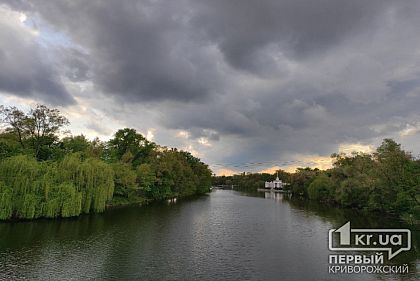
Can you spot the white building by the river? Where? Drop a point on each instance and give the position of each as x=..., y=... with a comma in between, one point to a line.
x=275, y=184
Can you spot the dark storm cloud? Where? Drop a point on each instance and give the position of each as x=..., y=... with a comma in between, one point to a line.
x=155, y=50
x=300, y=28
x=139, y=51
x=75, y=65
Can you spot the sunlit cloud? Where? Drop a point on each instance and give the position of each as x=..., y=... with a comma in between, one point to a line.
x=224, y=171
x=348, y=148
x=150, y=136
x=410, y=130
x=272, y=170
x=22, y=17
x=316, y=161
x=204, y=141
x=183, y=134
x=311, y=161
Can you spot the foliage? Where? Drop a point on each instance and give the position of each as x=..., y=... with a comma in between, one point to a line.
x=16, y=119
x=124, y=178
x=91, y=177
x=37, y=130
x=32, y=189
x=42, y=175
x=73, y=144
x=145, y=177
x=321, y=188
x=129, y=146
x=301, y=180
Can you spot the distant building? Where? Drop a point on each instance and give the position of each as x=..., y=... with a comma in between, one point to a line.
x=275, y=184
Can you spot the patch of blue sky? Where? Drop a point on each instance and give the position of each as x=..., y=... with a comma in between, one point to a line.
x=49, y=37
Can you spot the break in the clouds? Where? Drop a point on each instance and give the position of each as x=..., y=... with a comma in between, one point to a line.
x=243, y=81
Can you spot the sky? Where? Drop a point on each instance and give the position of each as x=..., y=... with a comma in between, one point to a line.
x=246, y=85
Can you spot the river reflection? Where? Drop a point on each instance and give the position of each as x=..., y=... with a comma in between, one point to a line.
x=226, y=235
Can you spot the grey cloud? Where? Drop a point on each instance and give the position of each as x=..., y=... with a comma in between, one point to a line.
x=139, y=51
x=211, y=135
x=300, y=28
x=75, y=65
x=24, y=70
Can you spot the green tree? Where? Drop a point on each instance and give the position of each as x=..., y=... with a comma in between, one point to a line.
x=39, y=127
x=74, y=144
x=145, y=177
x=16, y=119
x=129, y=142
x=124, y=179
x=43, y=124
x=394, y=177
x=301, y=180
x=354, y=178
x=321, y=188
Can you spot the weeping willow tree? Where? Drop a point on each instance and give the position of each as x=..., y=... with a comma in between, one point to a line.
x=63, y=200
x=31, y=189
x=20, y=175
x=6, y=201
x=92, y=178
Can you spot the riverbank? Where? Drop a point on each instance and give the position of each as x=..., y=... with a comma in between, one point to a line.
x=363, y=212
x=119, y=202
x=115, y=203
x=334, y=205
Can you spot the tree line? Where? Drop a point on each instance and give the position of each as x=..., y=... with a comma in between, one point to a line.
x=386, y=181
x=45, y=172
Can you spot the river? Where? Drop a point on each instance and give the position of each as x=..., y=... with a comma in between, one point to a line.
x=225, y=235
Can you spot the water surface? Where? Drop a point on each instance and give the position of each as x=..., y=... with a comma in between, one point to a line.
x=226, y=235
